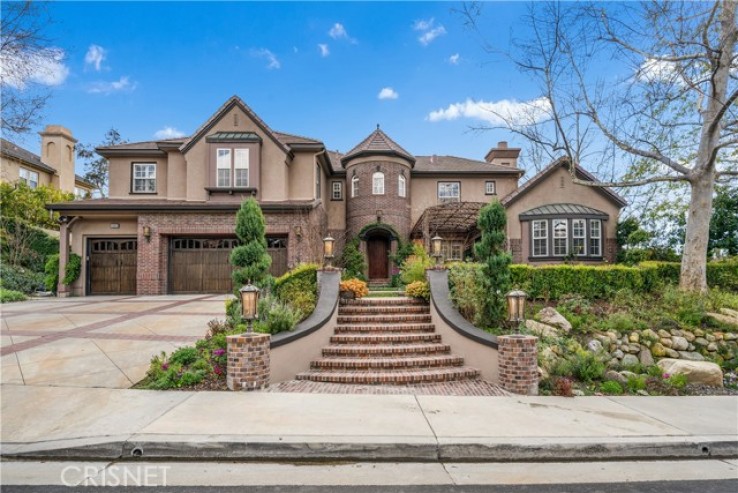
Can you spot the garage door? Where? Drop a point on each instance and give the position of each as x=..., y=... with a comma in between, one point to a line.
x=277, y=249
x=201, y=265
x=112, y=266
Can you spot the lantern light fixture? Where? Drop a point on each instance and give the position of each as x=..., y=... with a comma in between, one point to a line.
x=436, y=243
x=328, y=254
x=147, y=233
x=516, y=307
x=249, y=304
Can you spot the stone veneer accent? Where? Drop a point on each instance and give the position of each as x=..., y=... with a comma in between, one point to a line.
x=248, y=361
x=516, y=249
x=518, y=362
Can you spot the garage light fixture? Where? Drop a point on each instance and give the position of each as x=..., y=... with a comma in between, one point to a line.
x=147, y=233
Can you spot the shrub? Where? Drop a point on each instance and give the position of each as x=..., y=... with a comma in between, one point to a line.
x=276, y=316
x=8, y=295
x=611, y=387
x=352, y=260
x=299, y=288
x=250, y=258
x=586, y=366
x=71, y=272
x=356, y=286
x=467, y=290
x=16, y=278
x=183, y=356
x=418, y=289
x=678, y=381
x=490, y=250
x=72, y=269
x=636, y=383
x=414, y=267
x=24, y=245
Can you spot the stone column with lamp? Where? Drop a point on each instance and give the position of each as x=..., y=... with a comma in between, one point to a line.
x=248, y=354
x=518, y=354
x=328, y=255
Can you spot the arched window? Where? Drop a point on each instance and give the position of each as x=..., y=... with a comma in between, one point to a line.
x=402, y=187
x=378, y=183
x=355, y=186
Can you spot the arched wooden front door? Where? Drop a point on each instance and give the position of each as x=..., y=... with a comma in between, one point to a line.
x=377, y=248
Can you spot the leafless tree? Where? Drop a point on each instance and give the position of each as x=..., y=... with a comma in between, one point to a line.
x=672, y=118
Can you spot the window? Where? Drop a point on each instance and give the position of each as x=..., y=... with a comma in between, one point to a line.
x=317, y=181
x=402, y=187
x=144, y=177
x=490, y=188
x=336, y=191
x=452, y=250
x=540, y=238
x=224, y=168
x=378, y=183
x=241, y=168
x=355, y=186
x=560, y=237
x=449, y=191
x=579, y=237
x=29, y=177
x=595, y=237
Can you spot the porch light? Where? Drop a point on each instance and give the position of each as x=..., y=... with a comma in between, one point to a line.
x=436, y=242
x=328, y=242
x=516, y=307
x=249, y=304
x=147, y=233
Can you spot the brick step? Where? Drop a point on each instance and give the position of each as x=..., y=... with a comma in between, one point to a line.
x=380, y=350
x=385, y=338
x=382, y=319
x=379, y=282
x=355, y=364
x=383, y=310
x=392, y=377
x=402, y=300
x=365, y=328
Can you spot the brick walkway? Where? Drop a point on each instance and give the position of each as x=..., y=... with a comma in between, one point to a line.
x=461, y=388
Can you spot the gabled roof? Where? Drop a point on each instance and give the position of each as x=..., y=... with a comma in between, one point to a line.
x=582, y=174
x=376, y=144
x=15, y=151
x=232, y=102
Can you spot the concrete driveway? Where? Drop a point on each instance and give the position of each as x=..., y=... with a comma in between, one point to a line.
x=101, y=341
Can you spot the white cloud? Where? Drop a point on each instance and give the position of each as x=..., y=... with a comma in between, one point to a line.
x=46, y=68
x=657, y=71
x=428, y=37
x=168, y=133
x=324, y=51
x=95, y=56
x=495, y=112
x=388, y=93
x=454, y=59
x=272, y=61
x=124, y=84
x=423, y=25
x=339, y=32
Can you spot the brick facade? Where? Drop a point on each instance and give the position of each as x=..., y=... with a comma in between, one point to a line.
x=248, y=361
x=518, y=364
x=515, y=247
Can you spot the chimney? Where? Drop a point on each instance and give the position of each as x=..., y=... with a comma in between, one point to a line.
x=57, y=150
x=503, y=155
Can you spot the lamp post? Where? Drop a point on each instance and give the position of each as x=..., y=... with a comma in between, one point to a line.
x=436, y=248
x=516, y=308
x=328, y=242
x=249, y=304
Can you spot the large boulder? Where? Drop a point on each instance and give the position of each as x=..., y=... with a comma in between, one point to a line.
x=697, y=372
x=721, y=317
x=541, y=330
x=550, y=316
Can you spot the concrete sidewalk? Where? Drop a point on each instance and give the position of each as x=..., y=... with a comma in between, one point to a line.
x=109, y=424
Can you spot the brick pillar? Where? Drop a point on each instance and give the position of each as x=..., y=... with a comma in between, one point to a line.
x=62, y=290
x=248, y=361
x=518, y=364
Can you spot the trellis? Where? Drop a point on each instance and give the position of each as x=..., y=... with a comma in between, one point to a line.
x=451, y=221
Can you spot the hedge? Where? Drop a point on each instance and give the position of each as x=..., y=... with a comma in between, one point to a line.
x=299, y=288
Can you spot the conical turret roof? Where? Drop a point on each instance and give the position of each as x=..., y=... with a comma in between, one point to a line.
x=377, y=143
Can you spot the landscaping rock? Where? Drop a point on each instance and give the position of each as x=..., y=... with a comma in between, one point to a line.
x=634, y=348
x=627, y=374
x=723, y=318
x=645, y=357
x=618, y=354
x=691, y=355
x=642, y=392
x=700, y=341
x=542, y=374
x=712, y=347
x=630, y=359
x=634, y=337
x=729, y=312
x=711, y=337
x=698, y=332
x=689, y=336
x=664, y=333
x=658, y=350
x=730, y=336
x=594, y=345
x=613, y=375
x=666, y=341
x=671, y=353
x=697, y=372
x=548, y=358
x=541, y=330
x=550, y=316
x=679, y=343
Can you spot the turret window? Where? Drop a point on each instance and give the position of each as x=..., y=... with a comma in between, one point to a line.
x=355, y=186
x=378, y=183
x=402, y=187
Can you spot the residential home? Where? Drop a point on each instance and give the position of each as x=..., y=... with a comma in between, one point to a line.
x=168, y=224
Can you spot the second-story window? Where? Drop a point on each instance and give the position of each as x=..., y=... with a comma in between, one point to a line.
x=144, y=177
x=490, y=187
x=355, y=186
x=378, y=183
x=402, y=187
x=336, y=191
x=224, y=168
x=449, y=191
x=241, y=168
x=29, y=177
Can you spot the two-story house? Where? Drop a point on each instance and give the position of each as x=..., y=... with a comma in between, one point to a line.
x=168, y=224
x=54, y=167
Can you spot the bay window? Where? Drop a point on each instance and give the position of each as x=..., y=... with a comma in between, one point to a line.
x=595, y=237
x=540, y=238
x=560, y=237
x=579, y=237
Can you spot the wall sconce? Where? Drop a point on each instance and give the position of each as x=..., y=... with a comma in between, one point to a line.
x=516, y=308
x=147, y=233
x=249, y=304
x=436, y=242
x=328, y=242
x=380, y=213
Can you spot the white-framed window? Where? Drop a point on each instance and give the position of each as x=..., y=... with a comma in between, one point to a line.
x=452, y=250
x=144, y=177
x=241, y=167
x=223, y=165
x=490, y=187
x=29, y=177
x=560, y=237
x=449, y=191
x=540, y=238
x=378, y=183
x=579, y=237
x=595, y=237
x=317, y=181
x=401, y=186
x=336, y=191
x=355, y=186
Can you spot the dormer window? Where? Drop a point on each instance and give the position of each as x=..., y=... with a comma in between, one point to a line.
x=378, y=183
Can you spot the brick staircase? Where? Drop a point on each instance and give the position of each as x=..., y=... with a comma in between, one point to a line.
x=388, y=341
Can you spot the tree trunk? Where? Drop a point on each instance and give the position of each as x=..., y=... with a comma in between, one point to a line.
x=694, y=259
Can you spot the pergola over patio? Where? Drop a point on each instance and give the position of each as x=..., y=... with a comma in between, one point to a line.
x=453, y=220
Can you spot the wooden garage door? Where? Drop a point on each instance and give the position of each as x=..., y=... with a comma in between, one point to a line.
x=112, y=266
x=277, y=249
x=200, y=265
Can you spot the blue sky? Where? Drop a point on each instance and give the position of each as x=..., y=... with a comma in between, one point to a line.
x=146, y=67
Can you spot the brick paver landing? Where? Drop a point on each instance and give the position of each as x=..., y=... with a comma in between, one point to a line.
x=461, y=388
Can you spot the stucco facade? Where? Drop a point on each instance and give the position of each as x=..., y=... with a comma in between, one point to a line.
x=179, y=197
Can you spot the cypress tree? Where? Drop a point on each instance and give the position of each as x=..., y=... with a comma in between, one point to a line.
x=250, y=258
x=490, y=251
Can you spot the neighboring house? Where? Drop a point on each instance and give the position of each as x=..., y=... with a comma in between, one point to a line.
x=168, y=224
x=54, y=168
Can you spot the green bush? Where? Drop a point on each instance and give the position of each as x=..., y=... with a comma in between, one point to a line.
x=491, y=252
x=636, y=383
x=15, y=278
x=352, y=261
x=418, y=289
x=611, y=387
x=586, y=366
x=25, y=245
x=678, y=381
x=7, y=296
x=414, y=267
x=184, y=356
x=276, y=316
x=73, y=269
x=71, y=272
x=467, y=290
x=299, y=288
